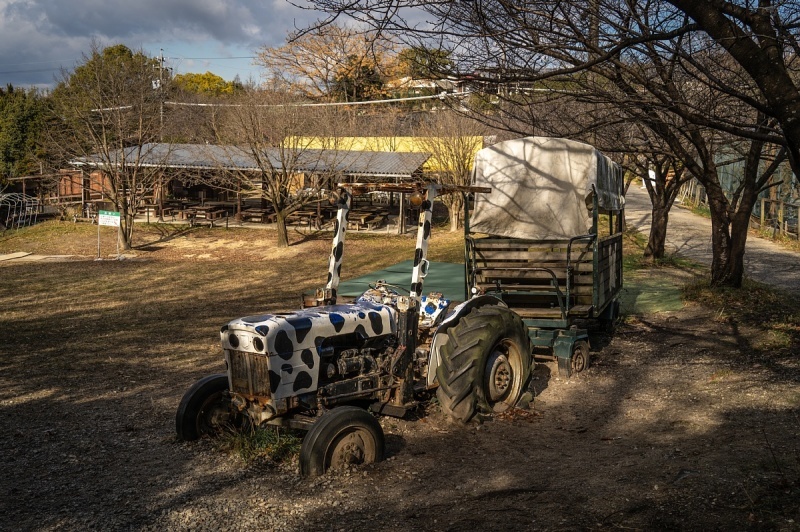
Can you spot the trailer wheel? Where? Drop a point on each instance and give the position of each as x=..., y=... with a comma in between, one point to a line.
x=346, y=435
x=485, y=363
x=206, y=409
x=580, y=356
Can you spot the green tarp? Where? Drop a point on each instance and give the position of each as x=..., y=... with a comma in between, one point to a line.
x=443, y=277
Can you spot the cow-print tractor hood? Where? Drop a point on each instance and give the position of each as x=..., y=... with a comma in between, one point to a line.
x=292, y=350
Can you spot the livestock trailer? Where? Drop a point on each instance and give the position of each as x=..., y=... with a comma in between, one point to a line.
x=547, y=241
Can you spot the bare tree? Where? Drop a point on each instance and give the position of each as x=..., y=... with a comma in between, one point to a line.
x=762, y=37
x=316, y=65
x=271, y=131
x=452, y=139
x=106, y=118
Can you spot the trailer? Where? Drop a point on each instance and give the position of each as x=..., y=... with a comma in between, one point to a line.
x=547, y=240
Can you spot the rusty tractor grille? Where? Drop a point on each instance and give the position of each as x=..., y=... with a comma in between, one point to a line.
x=249, y=373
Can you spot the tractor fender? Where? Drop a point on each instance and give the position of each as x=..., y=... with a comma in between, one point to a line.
x=440, y=336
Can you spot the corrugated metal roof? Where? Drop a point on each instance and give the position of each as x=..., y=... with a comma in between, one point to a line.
x=207, y=156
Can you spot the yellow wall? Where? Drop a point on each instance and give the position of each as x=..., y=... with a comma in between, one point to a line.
x=398, y=144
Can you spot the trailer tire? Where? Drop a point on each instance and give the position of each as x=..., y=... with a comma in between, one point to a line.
x=485, y=363
x=580, y=356
x=206, y=409
x=343, y=436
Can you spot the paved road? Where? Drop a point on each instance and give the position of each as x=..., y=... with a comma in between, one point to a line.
x=689, y=235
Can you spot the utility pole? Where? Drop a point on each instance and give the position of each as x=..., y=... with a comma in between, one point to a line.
x=161, y=94
x=161, y=132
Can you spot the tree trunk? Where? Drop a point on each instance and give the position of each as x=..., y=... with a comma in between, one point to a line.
x=658, y=233
x=455, y=210
x=720, y=238
x=739, y=230
x=125, y=231
x=729, y=231
x=283, y=233
x=455, y=219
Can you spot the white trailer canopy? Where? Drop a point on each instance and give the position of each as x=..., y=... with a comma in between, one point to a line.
x=542, y=188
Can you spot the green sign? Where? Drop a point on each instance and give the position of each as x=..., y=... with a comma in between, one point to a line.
x=110, y=218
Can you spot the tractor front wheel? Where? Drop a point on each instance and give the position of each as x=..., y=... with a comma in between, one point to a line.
x=485, y=363
x=346, y=435
x=206, y=409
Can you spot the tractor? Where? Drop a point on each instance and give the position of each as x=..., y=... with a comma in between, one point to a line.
x=331, y=366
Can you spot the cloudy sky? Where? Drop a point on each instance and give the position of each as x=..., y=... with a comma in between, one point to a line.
x=39, y=37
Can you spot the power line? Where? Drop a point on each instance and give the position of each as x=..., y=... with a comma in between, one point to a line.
x=440, y=96
x=216, y=58
x=30, y=71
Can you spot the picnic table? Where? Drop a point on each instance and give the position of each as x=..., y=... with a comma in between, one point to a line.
x=302, y=216
x=366, y=218
x=255, y=214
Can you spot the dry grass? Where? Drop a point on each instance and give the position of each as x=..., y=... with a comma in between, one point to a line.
x=773, y=315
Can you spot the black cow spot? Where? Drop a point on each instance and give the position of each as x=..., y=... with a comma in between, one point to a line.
x=338, y=251
x=303, y=380
x=274, y=381
x=426, y=205
x=283, y=345
x=417, y=257
x=336, y=226
x=339, y=270
x=361, y=315
x=337, y=320
x=263, y=330
x=416, y=288
x=287, y=368
x=302, y=326
x=308, y=358
x=256, y=319
x=376, y=321
x=426, y=233
x=330, y=277
x=360, y=330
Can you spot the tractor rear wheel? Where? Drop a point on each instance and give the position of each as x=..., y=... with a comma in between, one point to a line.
x=485, y=363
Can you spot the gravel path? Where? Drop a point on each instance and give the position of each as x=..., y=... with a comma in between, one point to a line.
x=689, y=235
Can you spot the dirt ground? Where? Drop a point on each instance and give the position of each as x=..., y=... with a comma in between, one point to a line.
x=678, y=424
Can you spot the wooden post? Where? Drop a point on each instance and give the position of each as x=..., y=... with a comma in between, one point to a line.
x=780, y=218
x=401, y=226
x=763, y=213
